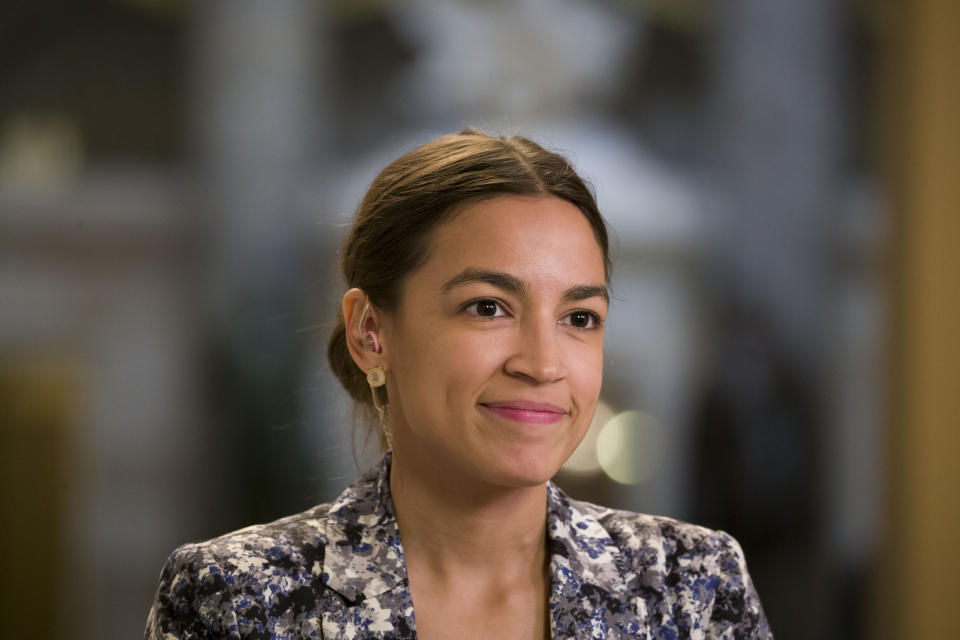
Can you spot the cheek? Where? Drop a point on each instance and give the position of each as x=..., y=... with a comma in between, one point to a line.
x=470, y=360
x=433, y=363
x=587, y=375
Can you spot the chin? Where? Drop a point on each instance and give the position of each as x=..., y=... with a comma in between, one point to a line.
x=525, y=468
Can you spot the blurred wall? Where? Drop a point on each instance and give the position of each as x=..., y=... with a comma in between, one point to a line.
x=916, y=592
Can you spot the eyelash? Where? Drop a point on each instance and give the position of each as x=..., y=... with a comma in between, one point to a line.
x=473, y=304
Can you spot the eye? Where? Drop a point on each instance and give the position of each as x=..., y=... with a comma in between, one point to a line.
x=582, y=320
x=486, y=308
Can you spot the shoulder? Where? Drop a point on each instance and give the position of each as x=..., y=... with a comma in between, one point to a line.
x=672, y=543
x=269, y=579
x=693, y=575
x=647, y=540
x=240, y=581
x=262, y=551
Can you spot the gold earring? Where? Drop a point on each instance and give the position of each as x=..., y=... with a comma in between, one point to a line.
x=377, y=378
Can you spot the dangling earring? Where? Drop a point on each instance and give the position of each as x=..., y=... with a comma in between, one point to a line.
x=377, y=378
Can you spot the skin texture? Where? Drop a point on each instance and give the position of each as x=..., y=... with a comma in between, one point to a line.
x=507, y=310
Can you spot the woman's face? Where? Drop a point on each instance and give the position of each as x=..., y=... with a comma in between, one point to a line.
x=495, y=354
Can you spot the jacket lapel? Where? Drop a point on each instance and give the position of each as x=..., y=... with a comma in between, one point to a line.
x=363, y=563
x=589, y=597
x=373, y=617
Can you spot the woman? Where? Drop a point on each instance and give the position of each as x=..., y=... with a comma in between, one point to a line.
x=473, y=330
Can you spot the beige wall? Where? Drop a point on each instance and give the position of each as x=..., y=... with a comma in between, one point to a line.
x=917, y=588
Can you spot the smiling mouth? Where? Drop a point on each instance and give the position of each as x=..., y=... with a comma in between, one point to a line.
x=523, y=411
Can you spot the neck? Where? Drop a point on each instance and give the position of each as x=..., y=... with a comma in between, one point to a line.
x=452, y=523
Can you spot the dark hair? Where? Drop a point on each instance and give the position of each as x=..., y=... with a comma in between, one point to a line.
x=424, y=188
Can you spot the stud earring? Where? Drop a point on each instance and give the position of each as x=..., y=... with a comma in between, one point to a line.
x=377, y=378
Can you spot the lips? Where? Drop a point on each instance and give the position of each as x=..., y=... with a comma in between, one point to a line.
x=526, y=411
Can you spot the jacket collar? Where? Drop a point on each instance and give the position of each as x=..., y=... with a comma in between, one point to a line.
x=363, y=554
x=582, y=551
x=364, y=563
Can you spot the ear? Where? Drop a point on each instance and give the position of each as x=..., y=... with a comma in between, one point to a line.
x=364, y=342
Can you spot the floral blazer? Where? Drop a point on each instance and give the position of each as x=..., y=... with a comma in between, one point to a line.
x=337, y=571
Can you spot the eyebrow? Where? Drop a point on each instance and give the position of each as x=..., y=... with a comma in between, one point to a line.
x=585, y=291
x=516, y=286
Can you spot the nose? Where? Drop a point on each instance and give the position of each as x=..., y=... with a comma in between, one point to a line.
x=537, y=355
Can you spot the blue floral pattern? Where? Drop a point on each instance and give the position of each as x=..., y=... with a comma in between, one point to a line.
x=337, y=571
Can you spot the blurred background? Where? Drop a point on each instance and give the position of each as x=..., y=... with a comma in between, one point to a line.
x=781, y=360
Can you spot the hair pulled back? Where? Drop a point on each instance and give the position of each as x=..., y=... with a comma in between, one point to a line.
x=425, y=188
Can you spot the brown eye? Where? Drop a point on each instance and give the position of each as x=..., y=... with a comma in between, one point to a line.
x=582, y=320
x=487, y=308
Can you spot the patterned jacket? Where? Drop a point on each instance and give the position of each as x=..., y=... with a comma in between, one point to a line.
x=337, y=571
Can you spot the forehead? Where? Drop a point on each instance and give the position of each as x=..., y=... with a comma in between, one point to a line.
x=538, y=239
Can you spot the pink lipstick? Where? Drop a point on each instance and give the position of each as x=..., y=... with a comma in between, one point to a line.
x=524, y=411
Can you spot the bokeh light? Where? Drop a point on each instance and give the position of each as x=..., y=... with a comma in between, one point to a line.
x=584, y=460
x=629, y=447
